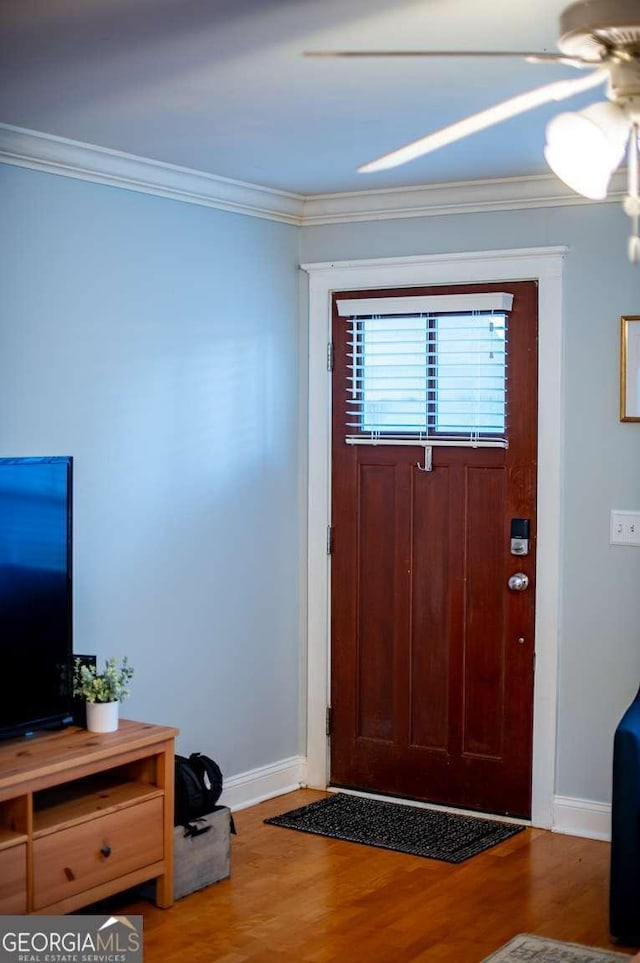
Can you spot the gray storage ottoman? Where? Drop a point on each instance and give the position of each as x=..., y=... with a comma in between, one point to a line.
x=205, y=858
x=202, y=859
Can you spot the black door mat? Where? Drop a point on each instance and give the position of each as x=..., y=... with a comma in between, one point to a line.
x=405, y=829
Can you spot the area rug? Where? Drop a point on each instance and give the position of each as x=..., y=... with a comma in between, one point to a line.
x=405, y=829
x=538, y=949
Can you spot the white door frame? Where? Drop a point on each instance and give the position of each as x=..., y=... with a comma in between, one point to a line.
x=545, y=266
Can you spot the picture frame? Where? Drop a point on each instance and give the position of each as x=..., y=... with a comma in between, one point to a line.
x=630, y=367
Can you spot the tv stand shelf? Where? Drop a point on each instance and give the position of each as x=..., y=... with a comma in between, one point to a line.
x=84, y=816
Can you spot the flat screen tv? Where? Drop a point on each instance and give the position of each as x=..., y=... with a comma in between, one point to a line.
x=36, y=641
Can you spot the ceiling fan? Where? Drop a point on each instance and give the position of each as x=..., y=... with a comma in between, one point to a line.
x=583, y=148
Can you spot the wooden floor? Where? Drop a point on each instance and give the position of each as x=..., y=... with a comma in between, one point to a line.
x=294, y=897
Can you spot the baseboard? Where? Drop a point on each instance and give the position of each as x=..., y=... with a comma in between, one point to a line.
x=256, y=785
x=582, y=817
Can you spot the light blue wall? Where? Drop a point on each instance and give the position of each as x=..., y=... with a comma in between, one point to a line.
x=599, y=669
x=158, y=343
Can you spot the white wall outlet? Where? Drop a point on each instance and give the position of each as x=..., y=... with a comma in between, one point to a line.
x=624, y=528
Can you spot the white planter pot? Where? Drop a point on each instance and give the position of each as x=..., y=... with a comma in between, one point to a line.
x=102, y=716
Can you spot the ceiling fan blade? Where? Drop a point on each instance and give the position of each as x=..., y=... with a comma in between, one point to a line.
x=533, y=57
x=559, y=90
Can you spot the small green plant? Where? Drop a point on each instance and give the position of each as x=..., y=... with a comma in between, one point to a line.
x=112, y=685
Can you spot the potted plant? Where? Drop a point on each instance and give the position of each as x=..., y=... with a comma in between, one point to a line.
x=103, y=691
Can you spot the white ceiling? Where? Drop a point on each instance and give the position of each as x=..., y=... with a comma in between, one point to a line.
x=221, y=85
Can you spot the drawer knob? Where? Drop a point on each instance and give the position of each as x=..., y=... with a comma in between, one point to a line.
x=105, y=850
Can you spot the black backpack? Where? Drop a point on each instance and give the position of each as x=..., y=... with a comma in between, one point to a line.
x=198, y=787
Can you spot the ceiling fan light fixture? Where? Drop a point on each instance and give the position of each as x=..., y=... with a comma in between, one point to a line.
x=589, y=180
x=584, y=148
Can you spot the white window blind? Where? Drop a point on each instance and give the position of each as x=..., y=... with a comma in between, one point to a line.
x=427, y=369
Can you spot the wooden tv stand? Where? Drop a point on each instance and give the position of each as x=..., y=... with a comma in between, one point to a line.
x=85, y=815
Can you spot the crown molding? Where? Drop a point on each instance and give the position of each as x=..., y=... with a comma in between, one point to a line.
x=459, y=197
x=101, y=165
x=70, y=158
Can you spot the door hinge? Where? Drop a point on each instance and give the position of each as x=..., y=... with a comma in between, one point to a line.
x=330, y=356
x=329, y=539
x=328, y=721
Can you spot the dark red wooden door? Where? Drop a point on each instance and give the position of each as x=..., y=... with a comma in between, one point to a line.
x=432, y=654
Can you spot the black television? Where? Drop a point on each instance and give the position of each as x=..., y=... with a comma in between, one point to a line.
x=36, y=638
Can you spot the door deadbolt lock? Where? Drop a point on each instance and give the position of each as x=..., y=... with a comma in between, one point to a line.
x=519, y=536
x=519, y=582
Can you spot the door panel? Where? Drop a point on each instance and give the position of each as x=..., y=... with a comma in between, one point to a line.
x=431, y=654
x=483, y=613
x=375, y=593
x=430, y=611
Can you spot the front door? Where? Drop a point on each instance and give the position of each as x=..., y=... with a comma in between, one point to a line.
x=432, y=644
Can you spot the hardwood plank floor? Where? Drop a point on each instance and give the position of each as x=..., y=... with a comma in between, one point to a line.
x=299, y=898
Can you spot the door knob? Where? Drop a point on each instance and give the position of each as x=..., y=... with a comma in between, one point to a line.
x=519, y=582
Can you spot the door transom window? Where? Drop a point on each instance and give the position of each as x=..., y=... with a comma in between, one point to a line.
x=437, y=375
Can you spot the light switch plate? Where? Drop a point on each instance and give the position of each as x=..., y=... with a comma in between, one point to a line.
x=625, y=528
